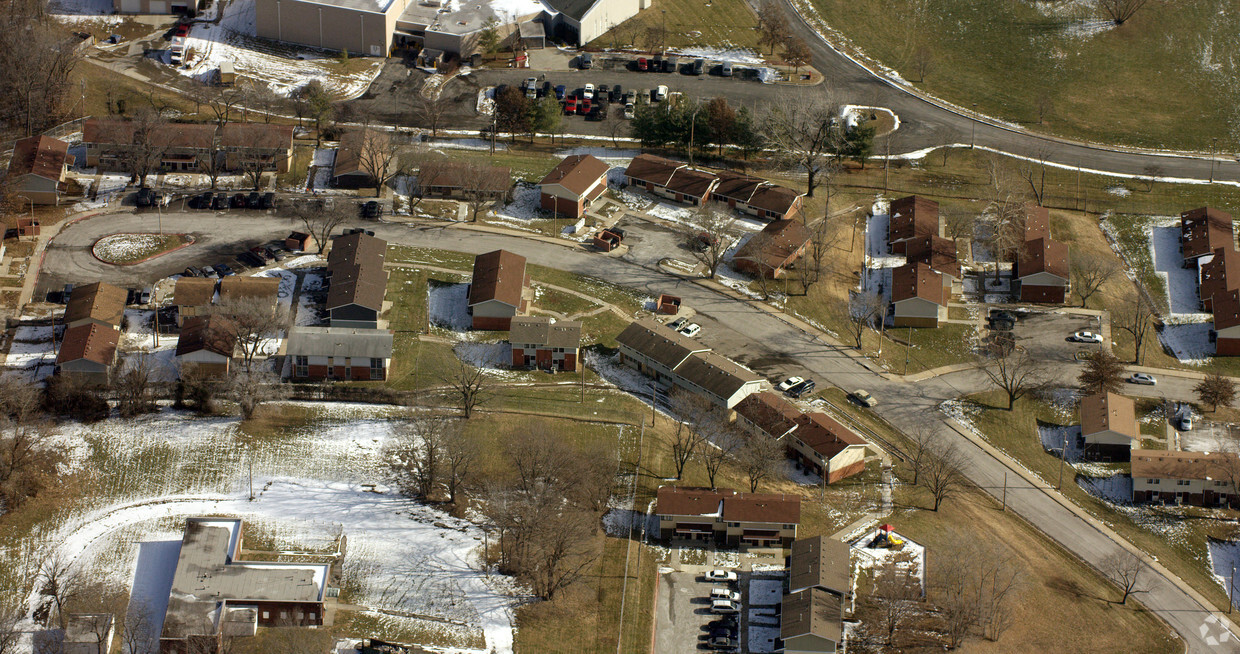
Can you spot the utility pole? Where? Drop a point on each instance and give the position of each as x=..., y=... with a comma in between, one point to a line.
x=249, y=459
x=907, y=343
x=973, y=128
x=664, y=39
x=654, y=398
x=1078, y=185
x=1005, y=490
x=1213, y=149
x=582, y=363
x=1063, y=453
x=1231, y=590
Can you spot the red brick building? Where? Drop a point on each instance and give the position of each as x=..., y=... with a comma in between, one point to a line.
x=537, y=342
x=773, y=250
x=911, y=217
x=727, y=517
x=1043, y=271
x=1202, y=231
x=575, y=183
x=338, y=353
x=499, y=291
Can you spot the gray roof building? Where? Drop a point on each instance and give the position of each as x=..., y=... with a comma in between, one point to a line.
x=339, y=342
x=819, y=562
x=540, y=331
x=659, y=343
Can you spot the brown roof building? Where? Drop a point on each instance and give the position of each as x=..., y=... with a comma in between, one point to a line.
x=267, y=145
x=726, y=516
x=214, y=333
x=811, y=620
x=358, y=281
x=935, y=251
x=96, y=303
x=537, y=342
x=1218, y=275
x=236, y=288
x=347, y=170
x=573, y=185
x=1204, y=230
x=911, y=217
x=769, y=414
x=37, y=168
x=647, y=169
x=1109, y=426
x=1197, y=478
x=756, y=196
x=820, y=562
x=656, y=346
x=192, y=296
x=919, y=295
x=500, y=289
x=1037, y=222
x=1226, y=308
x=450, y=179
x=670, y=179
x=771, y=251
x=88, y=351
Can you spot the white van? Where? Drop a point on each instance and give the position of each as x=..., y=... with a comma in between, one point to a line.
x=660, y=93
x=724, y=594
x=724, y=607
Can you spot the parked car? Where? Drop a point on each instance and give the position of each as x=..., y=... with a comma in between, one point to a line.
x=630, y=97
x=585, y=106
x=531, y=88
x=642, y=64
x=587, y=60
x=587, y=92
x=268, y=201
x=276, y=253
x=602, y=92
x=724, y=606
x=570, y=104
x=1143, y=379
x=721, y=575
x=238, y=201
x=222, y=270
x=629, y=111
x=678, y=323
x=372, y=209
x=250, y=259
x=262, y=253
x=864, y=398
x=671, y=64
x=789, y=383
x=723, y=643
x=1085, y=337
x=599, y=112
x=699, y=65
x=802, y=388
x=726, y=69
x=544, y=90
x=204, y=201
x=656, y=64
x=560, y=90
x=692, y=329
x=617, y=93
x=253, y=200
x=660, y=93
x=1186, y=422
x=725, y=594
x=144, y=198
x=194, y=271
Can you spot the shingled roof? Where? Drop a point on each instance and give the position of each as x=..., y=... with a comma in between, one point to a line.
x=916, y=280
x=1220, y=274
x=256, y=135
x=812, y=611
x=819, y=562
x=913, y=216
x=716, y=374
x=213, y=333
x=658, y=342
x=1203, y=230
x=762, y=507
x=776, y=245
x=97, y=301
x=1037, y=222
x=935, y=251
x=1109, y=412
x=577, y=173
x=499, y=276
x=42, y=156
x=1166, y=464
x=539, y=330
x=1226, y=308
x=90, y=342
x=650, y=168
x=825, y=435
x=769, y=412
x=193, y=292
x=355, y=265
x=1043, y=255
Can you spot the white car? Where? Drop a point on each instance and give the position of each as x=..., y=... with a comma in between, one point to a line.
x=789, y=383
x=724, y=607
x=720, y=575
x=588, y=91
x=629, y=111
x=692, y=329
x=1086, y=337
x=725, y=594
x=1142, y=378
x=678, y=323
x=660, y=93
x=864, y=398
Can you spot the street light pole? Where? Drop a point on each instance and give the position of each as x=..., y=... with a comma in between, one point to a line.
x=973, y=128
x=664, y=39
x=1213, y=149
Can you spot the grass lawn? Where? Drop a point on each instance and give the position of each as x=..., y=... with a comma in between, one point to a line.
x=715, y=23
x=1179, y=544
x=1109, y=84
x=565, y=304
x=303, y=154
x=135, y=248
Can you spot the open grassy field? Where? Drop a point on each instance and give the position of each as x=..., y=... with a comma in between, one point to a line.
x=723, y=24
x=1098, y=81
x=1178, y=542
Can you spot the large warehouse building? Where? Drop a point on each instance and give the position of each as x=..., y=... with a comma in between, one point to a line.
x=375, y=27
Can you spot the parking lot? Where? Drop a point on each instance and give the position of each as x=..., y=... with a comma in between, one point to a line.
x=1044, y=335
x=683, y=612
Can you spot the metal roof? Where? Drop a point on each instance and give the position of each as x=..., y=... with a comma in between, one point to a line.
x=339, y=342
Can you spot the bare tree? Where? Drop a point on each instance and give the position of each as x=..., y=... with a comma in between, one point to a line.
x=957, y=224
x=941, y=471
x=722, y=446
x=253, y=166
x=29, y=457
x=266, y=101
x=1103, y=373
x=140, y=633
x=38, y=58
x=61, y=582
x=430, y=112
x=796, y=52
x=759, y=456
x=461, y=450
x=1014, y=372
x=10, y=628
x=482, y=185
x=1089, y=272
x=1120, y=11
x=922, y=442
x=1124, y=568
x=253, y=322
x=145, y=152
x=864, y=310
x=251, y=389
x=823, y=238
x=131, y=381
x=711, y=237
x=319, y=223
x=211, y=165
x=923, y=61
x=1216, y=390
x=686, y=437
x=418, y=454
x=377, y=156
x=896, y=593
x=560, y=551
x=772, y=26
x=1136, y=316
x=1045, y=105
x=1153, y=173
x=1033, y=171
x=999, y=577
x=806, y=134
x=957, y=593
x=472, y=387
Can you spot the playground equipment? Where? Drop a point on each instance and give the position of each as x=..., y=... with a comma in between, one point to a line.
x=887, y=538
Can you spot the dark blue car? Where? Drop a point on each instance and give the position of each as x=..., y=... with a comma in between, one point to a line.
x=560, y=91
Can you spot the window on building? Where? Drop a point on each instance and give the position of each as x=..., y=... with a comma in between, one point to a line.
x=301, y=366
x=376, y=368
x=312, y=616
x=284, y=615
x=734, y=524
x=266, y=615
x=790, y=526
x=1155, y=481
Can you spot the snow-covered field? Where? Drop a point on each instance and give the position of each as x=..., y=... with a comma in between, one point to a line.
x=524, y=206
x=447, y=306
x=1116, y=489
x=1224, y=560
x=284, y=68
x=734, y=55
x=1054, y=440
x=1181, y=283
x=311, y=483
x=32, y=355
x=911, y=557
x=124, y=247
x=1189, y=341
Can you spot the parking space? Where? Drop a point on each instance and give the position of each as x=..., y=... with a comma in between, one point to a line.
x=1044, y=335
x=684, y=621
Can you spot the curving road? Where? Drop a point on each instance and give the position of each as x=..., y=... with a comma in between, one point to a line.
x=770, y=344
x=923, y=118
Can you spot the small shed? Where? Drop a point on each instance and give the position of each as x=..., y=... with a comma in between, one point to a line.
x=607, y=240
x=297, y=241
x=669, y=304
x=533, y=34
x=28, y=227
x=228, y=74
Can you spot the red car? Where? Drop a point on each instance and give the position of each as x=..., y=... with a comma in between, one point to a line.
x=181, y=30
x=584, y=107
x=570, y=104
x=642, y=64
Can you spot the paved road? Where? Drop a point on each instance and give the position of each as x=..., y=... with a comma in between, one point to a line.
x=907, y=406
